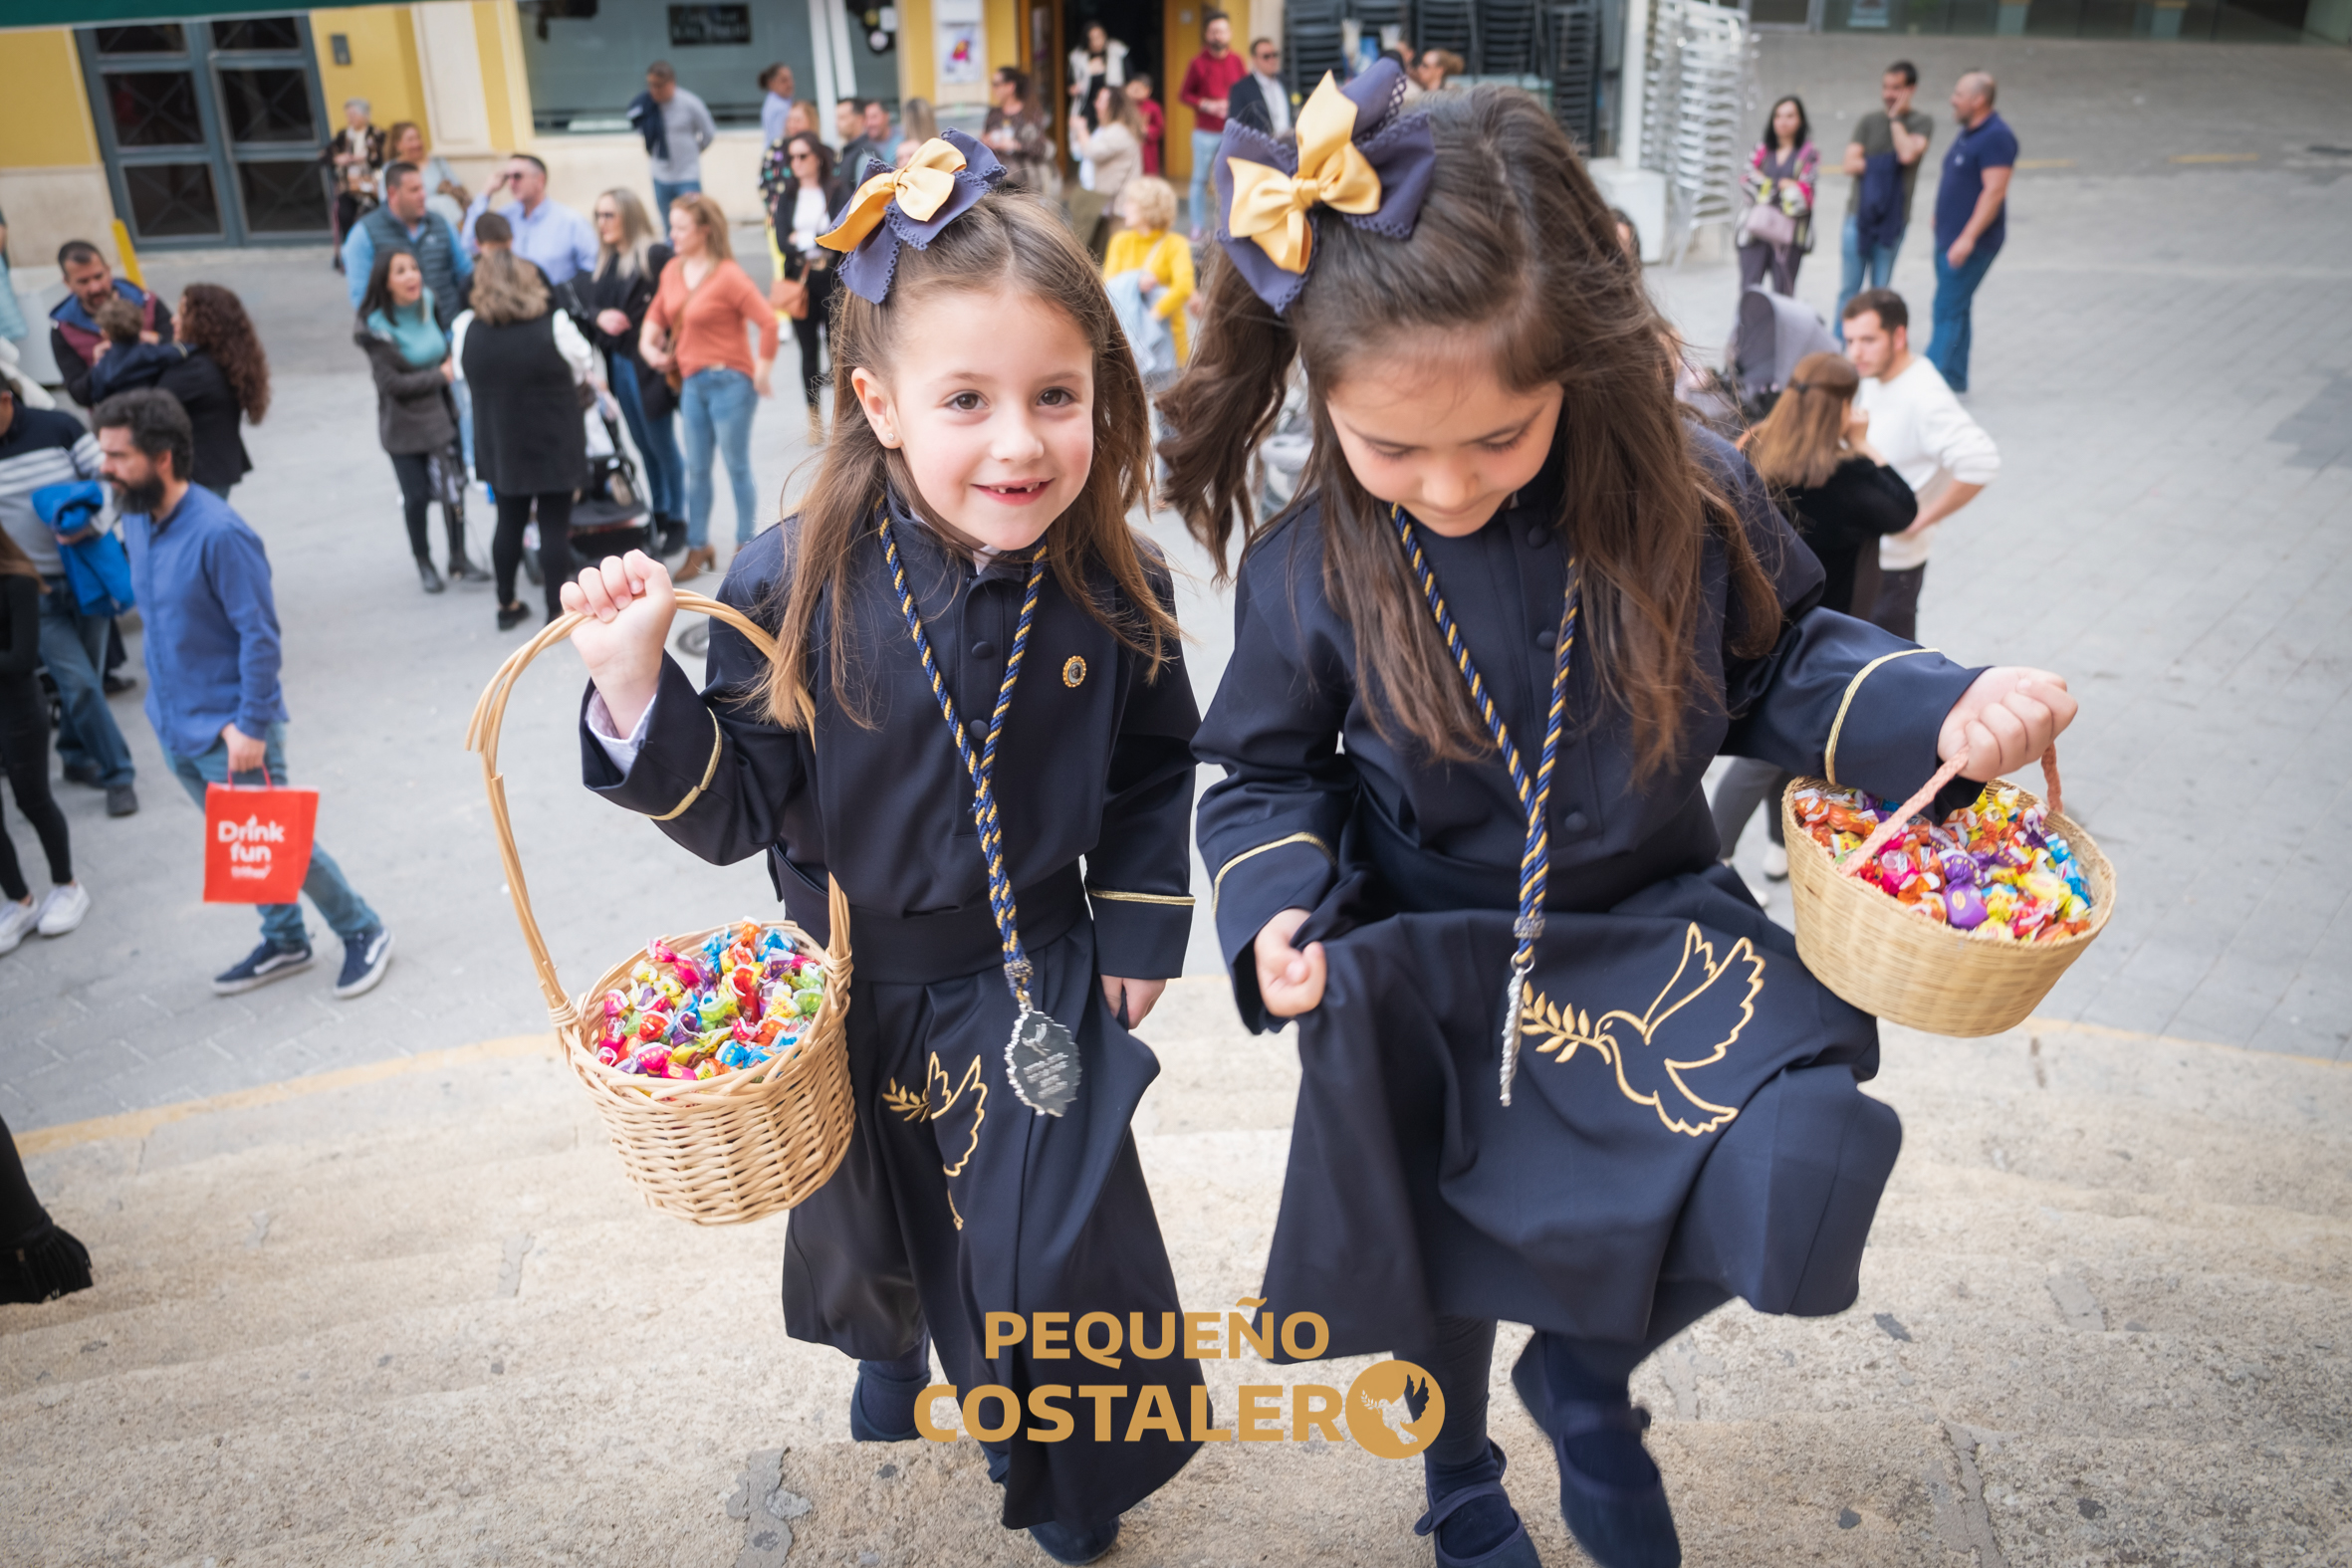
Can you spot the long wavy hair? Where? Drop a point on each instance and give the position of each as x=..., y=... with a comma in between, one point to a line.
x=213, y=320
x=1516, y=256
x=1010, y=240
x=508, y=290
x=1803, y=440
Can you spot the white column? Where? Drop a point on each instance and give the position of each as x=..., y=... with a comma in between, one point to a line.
x=1633, y=76
x=837, y=72
x=451, y=63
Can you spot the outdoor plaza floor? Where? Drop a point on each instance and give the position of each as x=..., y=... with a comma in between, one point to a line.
x=372, y=1289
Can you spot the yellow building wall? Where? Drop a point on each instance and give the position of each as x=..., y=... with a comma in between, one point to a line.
x=506, y=90
x=1002, y=18
x=918, y=68
x=53, y=186
x=1181, y=42
x=383, y=67
x=48, y=120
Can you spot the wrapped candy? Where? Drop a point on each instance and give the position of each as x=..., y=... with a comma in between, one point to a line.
x=737, y=1000
x=1992, y=869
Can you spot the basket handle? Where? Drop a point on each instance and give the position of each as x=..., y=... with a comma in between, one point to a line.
x=1869, y=848
x=482, y=736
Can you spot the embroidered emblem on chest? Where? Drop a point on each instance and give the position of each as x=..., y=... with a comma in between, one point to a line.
x=1073, y=670
x=1692, y=1024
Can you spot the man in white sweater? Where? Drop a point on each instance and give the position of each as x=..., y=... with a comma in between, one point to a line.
x=1926, y=436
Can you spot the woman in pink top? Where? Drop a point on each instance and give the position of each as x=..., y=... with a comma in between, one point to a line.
x=695, y=334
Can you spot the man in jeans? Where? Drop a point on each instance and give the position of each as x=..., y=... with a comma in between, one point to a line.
x=1895, y=131
x=1924, y=434
x=1208, y=80
x=676, y=125
x=211, y=646
x=40, y=447
x=1971, y=219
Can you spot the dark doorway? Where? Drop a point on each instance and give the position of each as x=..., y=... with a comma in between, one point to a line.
x=1136, y=23
x=213, y=133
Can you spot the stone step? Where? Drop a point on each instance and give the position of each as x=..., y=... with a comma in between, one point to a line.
x=2101, y=1316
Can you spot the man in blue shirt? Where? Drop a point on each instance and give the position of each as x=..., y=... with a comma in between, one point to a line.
x=548, y=234
x=1971, y=219
x=211, y=644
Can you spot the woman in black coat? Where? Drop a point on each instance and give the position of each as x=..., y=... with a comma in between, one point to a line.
x=528, y=369
x=415, y=415
x=1814, y=450
x=628, y=270
x=803, y=210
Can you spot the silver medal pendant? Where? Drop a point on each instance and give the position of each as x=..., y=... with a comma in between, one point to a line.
x=1042, y=1060
x=1511, y=1006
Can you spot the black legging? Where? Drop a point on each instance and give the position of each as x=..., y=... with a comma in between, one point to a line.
x=415, y=471
x=821, y=298
x=554, y=544
x=23, y=751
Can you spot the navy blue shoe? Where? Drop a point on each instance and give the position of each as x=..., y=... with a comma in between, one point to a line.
x=261, y=965
x=1620, y=1524
x=887, y=1398
x=1066, y=1545
x=364, y=959
x=1514, y=1550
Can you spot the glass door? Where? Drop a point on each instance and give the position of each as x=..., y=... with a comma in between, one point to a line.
x=264, y=83
x=212, y=131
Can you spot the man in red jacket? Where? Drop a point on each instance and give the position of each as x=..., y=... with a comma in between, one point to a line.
x=1207, y=81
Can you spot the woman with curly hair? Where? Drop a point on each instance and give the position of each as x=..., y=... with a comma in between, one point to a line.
x=223, y=378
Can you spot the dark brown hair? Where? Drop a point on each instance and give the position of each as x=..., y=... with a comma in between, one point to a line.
x=1885, y=303
x=213, y=320
x=1803, y=440
x=1515, y=256
x=1008, y=240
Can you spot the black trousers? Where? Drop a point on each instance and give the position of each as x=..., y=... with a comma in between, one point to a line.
x=24, y=752
x=414, y=470
x=554, y=544
x=1897, y=608
x=805, y=331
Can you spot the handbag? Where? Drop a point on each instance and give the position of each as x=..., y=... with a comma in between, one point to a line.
x=791, y=296
x=1763, y=223
x=263, y=858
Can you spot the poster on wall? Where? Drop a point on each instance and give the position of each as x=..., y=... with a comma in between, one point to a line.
x=962, y=44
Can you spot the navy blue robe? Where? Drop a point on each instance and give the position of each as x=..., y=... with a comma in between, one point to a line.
x=1685, y=1105
x=955, y=1199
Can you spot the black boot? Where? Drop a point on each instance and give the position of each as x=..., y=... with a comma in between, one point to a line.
x=461, y=565
x=670, y=536
x=426, y=577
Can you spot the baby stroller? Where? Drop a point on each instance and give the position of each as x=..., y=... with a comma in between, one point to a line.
x=607, y=515
x=1774, y=332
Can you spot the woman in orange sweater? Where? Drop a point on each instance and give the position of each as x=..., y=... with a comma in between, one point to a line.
x=695, y=334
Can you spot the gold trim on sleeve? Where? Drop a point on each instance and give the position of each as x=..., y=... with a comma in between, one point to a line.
x=1829, y=755
x=1218, y=887
x=1183, y=900
x=710, y=770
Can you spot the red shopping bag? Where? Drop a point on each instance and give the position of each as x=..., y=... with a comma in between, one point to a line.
x=257, y=843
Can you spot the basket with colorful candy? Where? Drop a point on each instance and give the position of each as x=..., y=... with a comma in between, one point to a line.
x=719, y=1061
x=743, y=997
x=1955, y=927
x=1995, y=868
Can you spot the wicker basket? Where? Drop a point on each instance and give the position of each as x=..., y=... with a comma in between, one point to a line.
x=1920, y=972
x=717, y=1151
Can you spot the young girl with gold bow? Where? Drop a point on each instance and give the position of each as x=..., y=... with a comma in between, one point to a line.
x=978, y=683
x=1479, y=668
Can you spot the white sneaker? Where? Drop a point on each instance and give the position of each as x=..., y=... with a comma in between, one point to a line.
x=62, y=909
x=1775, y=862
x=16, y=921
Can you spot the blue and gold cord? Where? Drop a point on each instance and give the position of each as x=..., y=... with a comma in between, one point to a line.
x=1534, y=865
x=983, y=766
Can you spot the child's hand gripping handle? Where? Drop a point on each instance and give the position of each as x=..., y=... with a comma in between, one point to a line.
x=624, y=606
x=654, y=618
x=2006, y=719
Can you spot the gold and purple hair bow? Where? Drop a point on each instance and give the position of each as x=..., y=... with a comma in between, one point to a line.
x=947, y=176
x=1356, y=154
